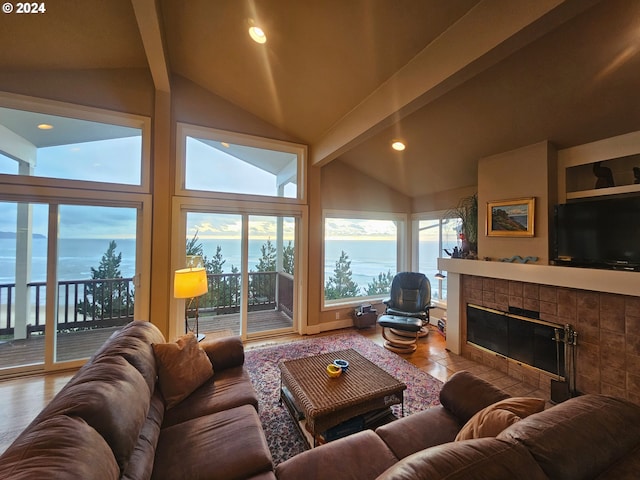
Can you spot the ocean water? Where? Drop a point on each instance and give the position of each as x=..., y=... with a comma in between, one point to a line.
x=77, y=256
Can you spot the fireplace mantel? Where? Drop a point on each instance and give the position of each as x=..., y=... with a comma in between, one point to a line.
x=608, y=281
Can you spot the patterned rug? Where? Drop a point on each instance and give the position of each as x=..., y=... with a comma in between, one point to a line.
x=282, y=437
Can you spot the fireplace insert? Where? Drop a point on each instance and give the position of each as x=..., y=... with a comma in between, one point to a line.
x=529, y=341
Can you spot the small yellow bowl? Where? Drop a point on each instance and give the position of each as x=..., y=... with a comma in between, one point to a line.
x=333, y=370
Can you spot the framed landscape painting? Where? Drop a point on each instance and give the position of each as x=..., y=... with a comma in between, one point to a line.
x=511, y=218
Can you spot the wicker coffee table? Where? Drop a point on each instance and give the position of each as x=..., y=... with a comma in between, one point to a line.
x=326, y=402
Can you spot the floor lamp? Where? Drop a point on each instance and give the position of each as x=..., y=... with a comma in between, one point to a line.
x=190, y=283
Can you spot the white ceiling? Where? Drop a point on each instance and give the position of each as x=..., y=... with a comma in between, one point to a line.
x=456, y=79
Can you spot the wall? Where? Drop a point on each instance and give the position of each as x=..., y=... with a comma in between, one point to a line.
x=338, y=186
x=121, y=90
x=608, y=326
x=441, y=201
x=522, y=173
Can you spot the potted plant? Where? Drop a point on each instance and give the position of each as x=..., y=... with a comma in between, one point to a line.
x=467, y=211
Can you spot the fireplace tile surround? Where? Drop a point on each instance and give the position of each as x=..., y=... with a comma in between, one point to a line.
x=608, y=327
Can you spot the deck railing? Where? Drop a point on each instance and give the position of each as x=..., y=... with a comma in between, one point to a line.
x=84, y=304
x=81, y=304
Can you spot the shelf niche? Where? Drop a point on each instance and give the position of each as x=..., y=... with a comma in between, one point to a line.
x=620, y=154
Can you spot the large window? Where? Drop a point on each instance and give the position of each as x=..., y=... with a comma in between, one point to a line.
x=362, y=254
x=75, y=226
x=240, y=202
x=231, y=163
x=44, y=145
x=436, y=236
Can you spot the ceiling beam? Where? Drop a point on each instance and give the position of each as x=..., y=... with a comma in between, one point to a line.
x=488, y=33
x=148, y=18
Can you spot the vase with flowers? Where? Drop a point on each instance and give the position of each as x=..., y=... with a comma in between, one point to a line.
x=467, y=212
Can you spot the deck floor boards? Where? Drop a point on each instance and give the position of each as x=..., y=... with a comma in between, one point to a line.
x=82, y=344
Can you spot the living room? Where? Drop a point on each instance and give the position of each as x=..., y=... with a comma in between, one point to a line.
x=486, y=110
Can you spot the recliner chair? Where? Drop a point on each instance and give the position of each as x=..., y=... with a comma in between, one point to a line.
x=407, y=312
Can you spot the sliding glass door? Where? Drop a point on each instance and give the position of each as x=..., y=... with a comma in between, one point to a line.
x=68, y=278
x=250, y=264
x=23, y=286
x=271, y=273
x=96, y=271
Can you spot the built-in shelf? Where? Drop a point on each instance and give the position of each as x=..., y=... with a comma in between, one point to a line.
x=618, y=154
x=604, y=191
x=609, y=281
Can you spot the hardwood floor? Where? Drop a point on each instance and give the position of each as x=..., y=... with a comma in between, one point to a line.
x=23, y=398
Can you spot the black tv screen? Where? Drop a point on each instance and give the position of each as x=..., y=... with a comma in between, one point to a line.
x=599, y=233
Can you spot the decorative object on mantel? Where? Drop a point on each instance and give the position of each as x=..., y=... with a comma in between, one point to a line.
x=636, y=175
x=455, y=253
x=511, y=218
x=467, y=211
x=519, y=259
x=604, y=175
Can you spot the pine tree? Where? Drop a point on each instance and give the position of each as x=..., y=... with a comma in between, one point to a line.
x=106, y=300
x=288, y=258
x=262, y=286
x=267, y=262
x=341, y=285
x=380, y=285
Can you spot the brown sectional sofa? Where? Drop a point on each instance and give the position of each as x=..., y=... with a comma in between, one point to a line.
x=587, y=437
x=110, y=421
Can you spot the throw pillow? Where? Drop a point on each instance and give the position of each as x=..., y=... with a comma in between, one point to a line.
x=490, y=421
x=182, y=367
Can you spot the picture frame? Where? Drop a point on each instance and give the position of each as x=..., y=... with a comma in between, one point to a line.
x=511, y=218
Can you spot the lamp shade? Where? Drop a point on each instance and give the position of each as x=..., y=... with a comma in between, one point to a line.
x=190, y=282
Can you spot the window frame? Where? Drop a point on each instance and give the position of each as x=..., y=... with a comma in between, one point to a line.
x=439, y=215
x=56, y=192
x=182, y=205
x=81, y=112
x=402, y=253
x=184, y=130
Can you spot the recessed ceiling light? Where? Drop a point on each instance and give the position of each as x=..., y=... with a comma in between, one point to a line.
x=397, y=145
x=257, y=34
x=45, y=126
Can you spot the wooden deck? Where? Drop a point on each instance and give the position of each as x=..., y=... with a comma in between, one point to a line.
x=82, y=344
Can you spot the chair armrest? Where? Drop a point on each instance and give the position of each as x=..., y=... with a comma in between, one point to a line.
x=224, y=352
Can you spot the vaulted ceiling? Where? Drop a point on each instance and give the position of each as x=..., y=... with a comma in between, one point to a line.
x=456, y=80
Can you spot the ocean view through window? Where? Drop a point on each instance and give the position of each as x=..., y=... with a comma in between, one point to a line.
x=75, y=224
x=361, y=256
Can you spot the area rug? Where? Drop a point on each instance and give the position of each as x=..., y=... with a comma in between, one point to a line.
x=283, y=438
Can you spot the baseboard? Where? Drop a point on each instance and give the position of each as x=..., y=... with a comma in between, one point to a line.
x=326, y=326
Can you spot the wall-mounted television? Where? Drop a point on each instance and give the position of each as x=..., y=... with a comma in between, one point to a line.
x=601, y=233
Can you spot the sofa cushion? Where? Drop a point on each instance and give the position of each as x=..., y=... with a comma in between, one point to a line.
x=359, y=456
x=579, y=438
x=226, y=389
x=182, y=367
x=133, y=343
x=224, y=352
x=492, y=420
x=141, y=461
x=227, y=445
x=419, y=431
x=60, y=447
x=464, y=395
x=480, y=459
x=112, y=397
